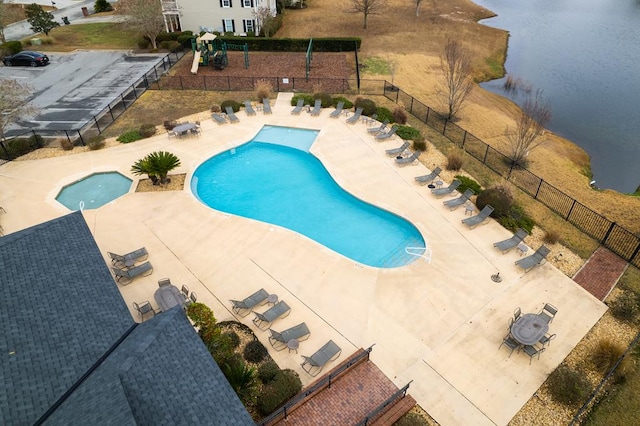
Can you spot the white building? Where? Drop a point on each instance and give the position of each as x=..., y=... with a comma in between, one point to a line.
x=236, y=16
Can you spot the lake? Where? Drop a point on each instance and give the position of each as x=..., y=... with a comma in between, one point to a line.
x=585, y=58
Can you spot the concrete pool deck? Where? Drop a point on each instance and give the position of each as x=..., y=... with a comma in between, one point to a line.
x=439, y=324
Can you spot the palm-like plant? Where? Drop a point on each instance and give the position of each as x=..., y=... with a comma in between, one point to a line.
x=156, y=165
x=242, y=379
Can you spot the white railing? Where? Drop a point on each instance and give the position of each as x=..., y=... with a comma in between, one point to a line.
x=425, y=253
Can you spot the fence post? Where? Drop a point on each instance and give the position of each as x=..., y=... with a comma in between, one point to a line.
x=81, y=139
x=181, y=86
x=111, y=112
x=604, y=239
x=97, y=125
x=204, y=81
x=411, y=106
x=571, y=209
x=464, y=138
x=426, y=119
x=284, y=409
x=486, y=153
x=397, y=92
x=5, y=151
x=444, y=130
x=538, y=190
x=228, y=83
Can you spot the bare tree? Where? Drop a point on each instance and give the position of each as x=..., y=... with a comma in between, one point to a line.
x=368, y=7
x=531, y=119
x=145, y=16
x=456, y=69
x=13, y=103
x=417, y=2
x=265, y=18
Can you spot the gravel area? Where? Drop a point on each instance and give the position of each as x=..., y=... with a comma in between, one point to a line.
x=176, y=184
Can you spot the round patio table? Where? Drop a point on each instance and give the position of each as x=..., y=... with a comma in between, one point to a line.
x=529, y=329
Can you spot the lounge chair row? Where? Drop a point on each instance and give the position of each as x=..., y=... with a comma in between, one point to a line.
x=124, y=266
x=231, y=116
x=280, y=339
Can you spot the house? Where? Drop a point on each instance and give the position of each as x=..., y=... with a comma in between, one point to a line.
x=234, y=16
x=72, y=354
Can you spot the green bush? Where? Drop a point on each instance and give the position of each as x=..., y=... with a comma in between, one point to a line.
x=400, y=115
x=21, y=146
x=606, y=354
x=347, y=103
x=184, y=38
x=242, y=379
x=255, y=351
x=499, y=197
x=147, y=130
x=385, y=114
x=625, y=306
x=267, y=371
x=467, y=182
x=11, y=47
x=169, y=45
x=407, y=132
x=326, y=99
x=285, y=385
x=96, y=142
x=454, y=161
x=130, y=136
x=234, y=339
x=308, y=99
x=367, y=105
x=233, y=104
x=262, y=44
x=420, y=144
x=411, y=419
x=568, y=386
x=517, y=218
x=143, y=43
x=102, y=6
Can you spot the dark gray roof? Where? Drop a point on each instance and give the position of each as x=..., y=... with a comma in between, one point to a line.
x=61, y=311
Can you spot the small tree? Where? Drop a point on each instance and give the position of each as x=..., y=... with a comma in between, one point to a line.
x=368, y=7
x=455, y=63
x=417, y=2
x=145, y=16
x=102, y=6
x=264, y=18
x=531, y=119
x=13, y=103
x=40, y=20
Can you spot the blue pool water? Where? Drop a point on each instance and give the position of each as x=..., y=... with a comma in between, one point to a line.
x=94, y=190
x=289, y=187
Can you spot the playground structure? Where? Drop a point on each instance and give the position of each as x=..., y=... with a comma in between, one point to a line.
x=208, y=49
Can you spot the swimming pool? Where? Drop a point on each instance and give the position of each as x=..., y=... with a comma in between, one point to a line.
x=290, y=187
x=94, y=191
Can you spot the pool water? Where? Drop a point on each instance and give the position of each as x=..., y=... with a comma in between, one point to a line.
x=290, y=187
x=94, y=191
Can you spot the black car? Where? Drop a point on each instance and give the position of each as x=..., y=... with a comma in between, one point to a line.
x=33, y=59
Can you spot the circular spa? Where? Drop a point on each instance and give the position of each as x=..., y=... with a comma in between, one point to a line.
x=274, y=179
x=94, y=191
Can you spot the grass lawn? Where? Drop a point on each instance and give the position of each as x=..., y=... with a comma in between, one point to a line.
x=97, y=35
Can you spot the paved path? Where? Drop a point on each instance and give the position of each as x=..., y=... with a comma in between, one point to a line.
x=601, y=272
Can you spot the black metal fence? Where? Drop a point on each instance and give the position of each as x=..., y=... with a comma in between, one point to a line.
x=619, y=240
x=325, y=382
x=102, y=119
x=373, y=415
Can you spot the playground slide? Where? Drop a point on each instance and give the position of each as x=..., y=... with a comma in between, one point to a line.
x=196, y=62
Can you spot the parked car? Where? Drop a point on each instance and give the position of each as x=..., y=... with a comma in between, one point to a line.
x=26, y=57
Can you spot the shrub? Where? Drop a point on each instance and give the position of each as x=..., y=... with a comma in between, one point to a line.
x=66, y=144
x=229, y=102
x=326, y=99
x=400, y=115
x=169, y=45
x=454, y=161
x=625, y=306
x=263, y=89
x=517, y=218
x=234, y=339
x=21, y=146
x=367, y=105
x=169, y=125
x=143, y=43
x=11, y=47
x=411, y=419
x=420, y=143
x=96, y=142
x=242, y=379
x=36, y=140
x=130, y=136
x=347, y=103
x=267, y=371
x=551, y=236
x=499, y=197
x=182, y=39
x=102, y=6
x=200, y=314
x=467, y=182
x=284, y=386
x=385, y=114
x=407, y=132
x=255, y=351
x=308, y=99
x=568, y=386
x=147, y=130
x=606, y=354
x=215, y=108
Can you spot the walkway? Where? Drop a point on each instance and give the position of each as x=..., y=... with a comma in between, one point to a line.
x=601, y=272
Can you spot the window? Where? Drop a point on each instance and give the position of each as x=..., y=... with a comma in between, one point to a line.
x=225, y=3
x=247, y=3
x=228, y=26
x=249, y=25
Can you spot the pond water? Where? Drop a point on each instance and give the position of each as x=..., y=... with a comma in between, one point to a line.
x=584, y=57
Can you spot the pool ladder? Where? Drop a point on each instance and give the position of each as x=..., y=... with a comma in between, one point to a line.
x=425, y=252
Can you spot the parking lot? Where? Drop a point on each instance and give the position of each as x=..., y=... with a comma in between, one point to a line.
x=76, y=86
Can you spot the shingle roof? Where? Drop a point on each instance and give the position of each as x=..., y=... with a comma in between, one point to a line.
x=60, y=311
